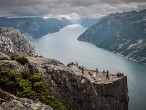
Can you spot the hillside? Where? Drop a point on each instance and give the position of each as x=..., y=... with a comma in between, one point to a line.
x=33, y=27
x=122, y=33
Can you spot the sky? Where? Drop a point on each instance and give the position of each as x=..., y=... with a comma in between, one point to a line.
x=71, y=9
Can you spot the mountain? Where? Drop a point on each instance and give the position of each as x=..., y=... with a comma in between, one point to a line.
x=31, y=82
x=87, y=22
x=34, y=27
x=122, y=33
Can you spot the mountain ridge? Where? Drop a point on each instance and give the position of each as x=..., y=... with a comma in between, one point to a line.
x=122, y=33
x=34, y=27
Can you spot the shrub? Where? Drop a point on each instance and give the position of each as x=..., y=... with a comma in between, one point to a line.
x=32, y=87
x=36, y=77
x=23, y=60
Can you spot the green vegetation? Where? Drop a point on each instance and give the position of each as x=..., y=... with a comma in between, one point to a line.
x=31, y=87
x=21, y=59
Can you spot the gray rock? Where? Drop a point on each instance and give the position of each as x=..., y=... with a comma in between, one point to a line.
x=4, y=57
x=11, y=102
x=76, y=91
x=13, y=42
x=68, y=87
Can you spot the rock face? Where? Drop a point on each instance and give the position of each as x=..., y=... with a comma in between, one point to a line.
x=123, y=33
x=13, y=42
x=11, y=102
x=4, y=57
x=76, y=91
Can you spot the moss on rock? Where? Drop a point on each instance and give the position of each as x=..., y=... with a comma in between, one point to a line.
x=31, y=87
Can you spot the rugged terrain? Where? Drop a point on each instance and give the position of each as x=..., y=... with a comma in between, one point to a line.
x=34, y=27
x=11, y=102
x=122, y=33
x=35, y=80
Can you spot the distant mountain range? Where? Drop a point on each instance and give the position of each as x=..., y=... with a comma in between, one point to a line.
x=122, y=33
x=34, y=27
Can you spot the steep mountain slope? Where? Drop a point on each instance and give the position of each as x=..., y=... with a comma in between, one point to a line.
x=34, y=27
x=123, y=33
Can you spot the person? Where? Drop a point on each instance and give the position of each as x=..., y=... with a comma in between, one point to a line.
x=103, y=71
x=96, y=70
x=82, y=71
x=68, y=65
x=120, y=74
x=107, y=76
x=77, y=63
x=72, y=63
x=79, y=67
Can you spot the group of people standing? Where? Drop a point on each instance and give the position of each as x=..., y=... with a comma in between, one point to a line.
x=97, y=71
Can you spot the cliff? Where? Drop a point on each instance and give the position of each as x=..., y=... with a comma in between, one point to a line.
x=122, y=33
x=57, y=85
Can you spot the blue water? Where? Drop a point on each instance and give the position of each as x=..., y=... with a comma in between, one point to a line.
x=65, y=47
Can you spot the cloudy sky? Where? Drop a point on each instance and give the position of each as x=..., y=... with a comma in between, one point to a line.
x=69, y=8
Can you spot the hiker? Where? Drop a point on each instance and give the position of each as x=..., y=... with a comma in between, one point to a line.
x=79, y=67
x=96, y=70
x=72, y=63
x=107, y=76
x=77, y=63
x=82, y=71
x=120, y=74
x=68, y=65
x=103, y=71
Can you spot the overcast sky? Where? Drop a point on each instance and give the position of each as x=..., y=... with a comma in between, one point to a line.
x=69, y=8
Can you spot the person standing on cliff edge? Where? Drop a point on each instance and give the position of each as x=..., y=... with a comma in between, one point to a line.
x=107, y=76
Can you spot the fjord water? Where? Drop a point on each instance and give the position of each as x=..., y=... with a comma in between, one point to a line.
x=65, y=47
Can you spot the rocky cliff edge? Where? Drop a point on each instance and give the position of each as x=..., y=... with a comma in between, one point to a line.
x=77, y=91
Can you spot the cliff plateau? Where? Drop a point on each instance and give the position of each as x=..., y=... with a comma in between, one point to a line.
x=75, y=90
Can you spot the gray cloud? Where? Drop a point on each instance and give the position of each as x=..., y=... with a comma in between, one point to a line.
x=72, y=8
